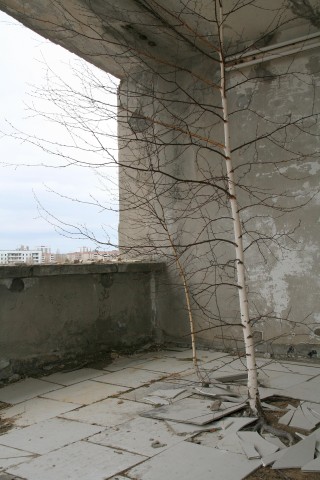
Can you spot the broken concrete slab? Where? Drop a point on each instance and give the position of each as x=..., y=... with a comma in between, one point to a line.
x=36, y=410
x=189, y=461
x=108, y=413
x=186, y=429
x=275, y=440
x=25, y=390
x=230, y=443
x=217, y=391
x=312, y=466
x=303, y=419
x=298, y=455
x=48, y=435
x=85, y=392
x=76, y=376
x=139, y=394
x=250, y=451
x=286, y=418
x=223, y=427
x=79, y=461
x=262, y=446
x=193, y=410
x=270, y=459
x=165, y=397
x=272, y=408
x=142, y=435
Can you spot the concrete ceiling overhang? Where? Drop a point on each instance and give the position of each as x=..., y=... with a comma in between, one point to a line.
x=122, y=36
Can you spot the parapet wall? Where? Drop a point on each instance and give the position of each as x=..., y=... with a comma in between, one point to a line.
x=55, y=314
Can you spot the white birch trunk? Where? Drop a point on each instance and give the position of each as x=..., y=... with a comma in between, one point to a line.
x=253, y=391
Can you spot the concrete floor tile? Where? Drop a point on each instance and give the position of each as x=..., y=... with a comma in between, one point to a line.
x=309, y=391
x=140, y=394
x=166, y=365
x=36, y=410
x=306, y=369
x=202, y=355
x=48, y=435
x=25, y=390
x=142, y=435
x=76, y=376
x=281, y=380
x=79, y=461
x=85, y=392
x=188, y=461
x=130, y=377
x=109, y=412
x=125, y=362
x=11, y=456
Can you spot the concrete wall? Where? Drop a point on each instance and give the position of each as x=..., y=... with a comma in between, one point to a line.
x=280, y=215
x=50, y=315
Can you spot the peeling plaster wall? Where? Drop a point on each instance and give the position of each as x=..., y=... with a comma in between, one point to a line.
x=283, y=276
x=54, y=314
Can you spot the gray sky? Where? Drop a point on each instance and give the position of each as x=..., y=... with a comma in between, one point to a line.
x=22, y=57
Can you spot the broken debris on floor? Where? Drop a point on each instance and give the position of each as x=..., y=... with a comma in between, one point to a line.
x=152, y=418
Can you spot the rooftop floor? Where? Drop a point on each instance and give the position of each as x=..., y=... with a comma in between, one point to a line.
x=148, y=417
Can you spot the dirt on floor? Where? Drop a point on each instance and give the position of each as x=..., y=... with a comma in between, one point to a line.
x=6, y=424
x=267, y=473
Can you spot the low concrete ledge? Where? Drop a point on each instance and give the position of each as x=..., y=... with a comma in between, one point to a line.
x=23, y=271
x=63, y=314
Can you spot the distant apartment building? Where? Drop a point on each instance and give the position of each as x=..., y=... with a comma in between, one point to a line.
x=86, y=255
x=21, y=255
x=43, y=254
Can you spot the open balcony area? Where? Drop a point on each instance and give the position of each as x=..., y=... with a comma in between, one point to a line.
x=149, y=416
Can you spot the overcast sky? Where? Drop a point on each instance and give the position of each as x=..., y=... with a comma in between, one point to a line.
x=23, y=54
